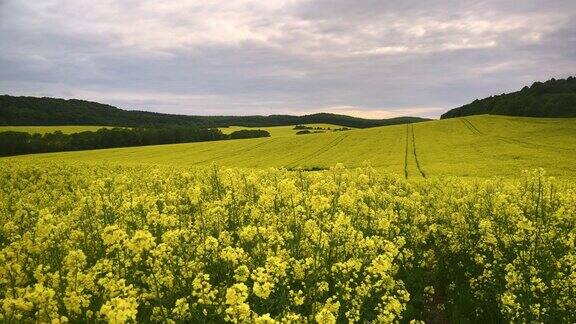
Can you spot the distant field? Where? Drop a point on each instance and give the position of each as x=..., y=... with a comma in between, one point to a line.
x=278, y=131
x=51, y=129
x=475, y=146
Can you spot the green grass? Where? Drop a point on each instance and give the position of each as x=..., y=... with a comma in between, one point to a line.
x=51, y=129
x=278, y=131
x=477, y=146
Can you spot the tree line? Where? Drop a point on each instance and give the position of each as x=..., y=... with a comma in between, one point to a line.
x=317, y=128
x=34, y=111
x=15, y=143
x=553, y=98
x=249, y=133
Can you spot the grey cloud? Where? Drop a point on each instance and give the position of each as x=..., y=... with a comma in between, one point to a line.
x=379, y=56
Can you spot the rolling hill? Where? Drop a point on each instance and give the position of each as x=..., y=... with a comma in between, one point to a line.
x=476, y=146
x=553, y=98
x=33, y=111
x=66, y=129
x=276, y=131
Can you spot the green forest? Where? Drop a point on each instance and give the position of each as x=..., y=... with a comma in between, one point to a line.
x=33, y=111
x=553, y=98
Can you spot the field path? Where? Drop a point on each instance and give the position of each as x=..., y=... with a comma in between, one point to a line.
x=319, y=151
x=406, y=154
x=415, y=154
x=471, y=127
x=412, y=167
x=240, y=150
x=513, y=141
x=530, y=145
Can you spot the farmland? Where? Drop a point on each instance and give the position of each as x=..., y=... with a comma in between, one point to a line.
x=456, y=220
x=287, y=162
x=116, y=243
x=50, y=129
x=476, y=146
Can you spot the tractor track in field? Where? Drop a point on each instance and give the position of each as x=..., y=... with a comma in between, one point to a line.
x=471, y=127
x=532, y=145
x=416, y=155
x=513, y=140
x=321, y=150
x=410, y=138
x=247, y=149
x=406, y=155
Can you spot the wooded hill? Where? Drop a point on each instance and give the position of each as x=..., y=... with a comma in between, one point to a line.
x=553, y=98
x=33, y=111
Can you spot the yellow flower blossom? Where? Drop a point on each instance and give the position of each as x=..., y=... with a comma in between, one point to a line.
x=119, y=310
x=100, y=243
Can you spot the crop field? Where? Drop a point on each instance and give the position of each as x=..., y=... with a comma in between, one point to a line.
x=221, y=183
x=280, y=131
x=84, y=243
x=459, y=220
x=480, y=146
x=51, y=129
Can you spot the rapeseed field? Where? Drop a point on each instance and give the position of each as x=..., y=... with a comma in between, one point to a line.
x=102, y=243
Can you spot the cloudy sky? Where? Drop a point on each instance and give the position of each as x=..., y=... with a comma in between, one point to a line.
x=370, y=58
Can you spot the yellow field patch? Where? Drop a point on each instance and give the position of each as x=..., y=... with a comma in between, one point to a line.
x=51, y=129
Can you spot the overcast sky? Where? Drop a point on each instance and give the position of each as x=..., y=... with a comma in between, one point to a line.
x=369, y=58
